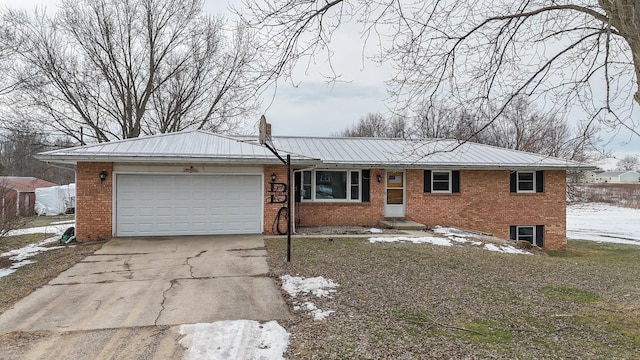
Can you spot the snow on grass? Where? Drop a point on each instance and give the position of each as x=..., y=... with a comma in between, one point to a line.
x=31, y=249
x=456, y=235
x=507, y=249
x=23, y=254
x=236, y=339
x=603, y=223
x=375, y=231
x=51, y=229
x=68, y=222
x=318, y=286
x=416, y=240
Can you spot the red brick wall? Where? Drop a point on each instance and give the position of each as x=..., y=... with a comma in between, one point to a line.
x=346, y=213
x=93, y=201
x=484, y=203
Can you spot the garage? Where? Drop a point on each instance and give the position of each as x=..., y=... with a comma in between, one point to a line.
x=187, y=204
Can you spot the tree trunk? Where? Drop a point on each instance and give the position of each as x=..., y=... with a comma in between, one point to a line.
x=624, y=15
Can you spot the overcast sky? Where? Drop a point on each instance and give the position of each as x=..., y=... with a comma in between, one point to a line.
x=320, y=109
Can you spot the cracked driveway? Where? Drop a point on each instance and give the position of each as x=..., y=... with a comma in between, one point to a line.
x=155, y=281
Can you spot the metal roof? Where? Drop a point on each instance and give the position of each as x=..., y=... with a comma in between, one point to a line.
x=434, y=153
x=615, y=173
x=193, y=145
x=24, y=184
x=205, y=147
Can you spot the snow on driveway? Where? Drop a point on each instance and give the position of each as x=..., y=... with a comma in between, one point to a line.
x=603, y=223
x=234, y=339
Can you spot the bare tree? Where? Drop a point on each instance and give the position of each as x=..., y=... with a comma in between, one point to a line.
x=628, y=163
x=520, y=126
x=121, y=68
x=20, y=142
x=370, y=125
x=485, y=52
x=10, y=218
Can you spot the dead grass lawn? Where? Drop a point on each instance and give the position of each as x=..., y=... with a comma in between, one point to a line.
x=417, y=301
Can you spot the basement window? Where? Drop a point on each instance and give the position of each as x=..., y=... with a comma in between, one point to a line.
x=525, y=233
x=532, y=234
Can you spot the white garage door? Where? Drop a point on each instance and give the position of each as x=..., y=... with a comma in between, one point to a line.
x=148, y=205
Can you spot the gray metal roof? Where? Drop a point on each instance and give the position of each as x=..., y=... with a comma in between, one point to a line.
x=614, y=173
x=205, y=147
x=194, y=145
x=434, y=153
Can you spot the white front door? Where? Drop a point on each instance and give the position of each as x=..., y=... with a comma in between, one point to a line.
x=395, y=194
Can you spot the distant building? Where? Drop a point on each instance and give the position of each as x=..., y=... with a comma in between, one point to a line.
x=589, y=176
x=617, y=177
x=17, y=194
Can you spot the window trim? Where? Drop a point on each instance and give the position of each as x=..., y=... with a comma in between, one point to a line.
x=533, y=182
x=348, y=185
x=533, y=233
x=538, y=234
x=449, y=182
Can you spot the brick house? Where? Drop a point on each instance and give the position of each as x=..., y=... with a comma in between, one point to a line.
x=195, y=182
x=18, y=194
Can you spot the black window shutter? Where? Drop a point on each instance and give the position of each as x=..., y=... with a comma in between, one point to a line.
x=366, y=185
x=427, y=181
x=455, y=181
x=540, y=181
x=297, y=186
x=540, y=235
x=513, y=183
x=512, y=232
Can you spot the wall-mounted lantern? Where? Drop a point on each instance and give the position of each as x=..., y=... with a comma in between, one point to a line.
x=273, y=177
x=379, y=178
x=103, y=175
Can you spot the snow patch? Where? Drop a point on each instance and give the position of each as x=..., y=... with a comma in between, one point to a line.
x=375, y=231
x=318, y=286
x=416, y=240
x=507, y=249
x=237, y=339
x=453, y=235
x=23, y=254
x=67, y=222
x=55, y=229
x=603, y=223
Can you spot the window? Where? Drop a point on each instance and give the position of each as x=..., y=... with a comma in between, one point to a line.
x=441, y=181
x=532, y=234
x=331, y=185
x=527, y=181
x=525, y=233
x=306, y=185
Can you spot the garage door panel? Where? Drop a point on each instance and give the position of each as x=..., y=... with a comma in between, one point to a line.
x=188, y=204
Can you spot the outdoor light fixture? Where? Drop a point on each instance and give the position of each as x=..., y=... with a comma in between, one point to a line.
x=103, y=175
x=379, y=177
x=273, y=177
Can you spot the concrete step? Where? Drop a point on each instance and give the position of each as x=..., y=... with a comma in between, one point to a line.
x=402, y=224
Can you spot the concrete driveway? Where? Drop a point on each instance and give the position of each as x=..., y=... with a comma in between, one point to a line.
x=155, y=281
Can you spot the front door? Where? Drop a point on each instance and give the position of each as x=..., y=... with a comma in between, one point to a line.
x=395, y=194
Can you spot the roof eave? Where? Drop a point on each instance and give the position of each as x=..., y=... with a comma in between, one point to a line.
x=575, y=166
x=71, y=159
